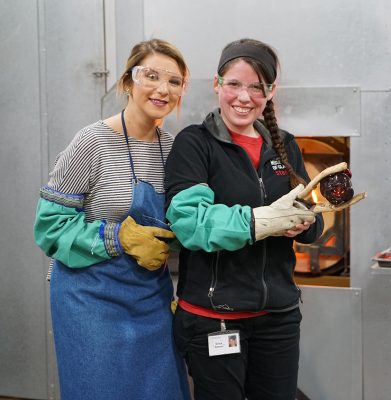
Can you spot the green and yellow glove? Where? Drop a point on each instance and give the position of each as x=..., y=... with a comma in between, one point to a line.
x=142, y=243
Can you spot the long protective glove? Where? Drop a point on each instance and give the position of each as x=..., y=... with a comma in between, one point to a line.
x=142, y=243
x=285, y=213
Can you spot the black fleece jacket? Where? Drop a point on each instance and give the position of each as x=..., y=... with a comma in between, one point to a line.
x=258, y=276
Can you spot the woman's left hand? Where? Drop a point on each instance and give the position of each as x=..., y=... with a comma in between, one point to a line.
x=297, y=230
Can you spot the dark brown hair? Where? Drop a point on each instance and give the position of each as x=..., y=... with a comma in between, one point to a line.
x=267, y=74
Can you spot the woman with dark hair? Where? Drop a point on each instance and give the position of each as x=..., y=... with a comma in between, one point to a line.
x=101, y=219
x=231, y=185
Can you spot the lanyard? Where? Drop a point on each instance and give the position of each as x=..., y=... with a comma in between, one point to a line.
x=129, y=153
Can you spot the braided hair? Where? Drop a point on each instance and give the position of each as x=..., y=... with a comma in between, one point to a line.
x=264, y=61
x=278, y=145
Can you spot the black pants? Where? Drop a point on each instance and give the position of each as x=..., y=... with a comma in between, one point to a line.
x=266, y=368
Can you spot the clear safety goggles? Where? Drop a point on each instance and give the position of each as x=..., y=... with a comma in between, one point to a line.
x=256, y=89
x=154, y=77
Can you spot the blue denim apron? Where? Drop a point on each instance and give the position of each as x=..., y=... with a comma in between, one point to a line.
x=112, y=322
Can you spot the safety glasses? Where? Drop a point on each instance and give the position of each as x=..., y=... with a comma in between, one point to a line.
x=154, y=77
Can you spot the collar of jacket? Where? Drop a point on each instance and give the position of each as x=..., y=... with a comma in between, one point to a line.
x=216, y=126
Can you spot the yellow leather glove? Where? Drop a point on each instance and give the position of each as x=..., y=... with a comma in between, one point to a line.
x=141, y=243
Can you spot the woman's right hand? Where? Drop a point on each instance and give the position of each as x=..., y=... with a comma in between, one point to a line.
x=142, y=243
x=282, y=215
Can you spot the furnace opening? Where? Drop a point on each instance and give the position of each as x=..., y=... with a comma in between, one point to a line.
x=325, y=262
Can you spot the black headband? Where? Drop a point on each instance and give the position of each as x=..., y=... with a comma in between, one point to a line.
x=255, y=52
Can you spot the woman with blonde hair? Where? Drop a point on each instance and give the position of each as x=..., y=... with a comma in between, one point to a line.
x=101, y=220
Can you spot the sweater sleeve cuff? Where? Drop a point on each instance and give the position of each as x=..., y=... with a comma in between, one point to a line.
x=109, y=233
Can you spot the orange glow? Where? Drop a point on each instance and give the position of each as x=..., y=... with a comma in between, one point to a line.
x=314, y=196
x=303, y=262
x=331, y=242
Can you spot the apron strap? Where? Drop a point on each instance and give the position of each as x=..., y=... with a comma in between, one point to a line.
x=129, y=153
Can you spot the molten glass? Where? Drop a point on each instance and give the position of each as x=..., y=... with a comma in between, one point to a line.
x=337, y=188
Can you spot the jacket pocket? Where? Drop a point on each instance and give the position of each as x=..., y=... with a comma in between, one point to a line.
x=236, y=282
x=213, y=284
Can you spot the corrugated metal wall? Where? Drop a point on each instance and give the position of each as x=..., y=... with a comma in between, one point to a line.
x=335, y=61
x=22, y=291
x=49, y=51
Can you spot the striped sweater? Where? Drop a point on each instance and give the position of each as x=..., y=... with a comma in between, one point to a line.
x=89, y=192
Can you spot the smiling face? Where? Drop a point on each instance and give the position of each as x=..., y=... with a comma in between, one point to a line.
x=240, y=110
x=155, y=102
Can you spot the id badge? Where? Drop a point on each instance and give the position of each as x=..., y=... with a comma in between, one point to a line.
x=223, y=342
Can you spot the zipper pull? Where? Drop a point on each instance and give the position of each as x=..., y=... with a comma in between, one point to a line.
x=210, y=293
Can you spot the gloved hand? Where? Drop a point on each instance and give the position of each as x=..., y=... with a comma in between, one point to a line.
x=142, y=243
x=285, y=213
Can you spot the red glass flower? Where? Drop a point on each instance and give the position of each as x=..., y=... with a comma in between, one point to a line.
x=337, y=188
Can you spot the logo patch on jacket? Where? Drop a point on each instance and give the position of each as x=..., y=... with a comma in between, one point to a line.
x=278, y=167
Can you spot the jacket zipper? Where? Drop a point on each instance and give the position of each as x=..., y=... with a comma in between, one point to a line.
x=263, y=282
x=263, y=189
x=263, y=274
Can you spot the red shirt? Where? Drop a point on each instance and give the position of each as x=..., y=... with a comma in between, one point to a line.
x=206, y=312
x=252, y=146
